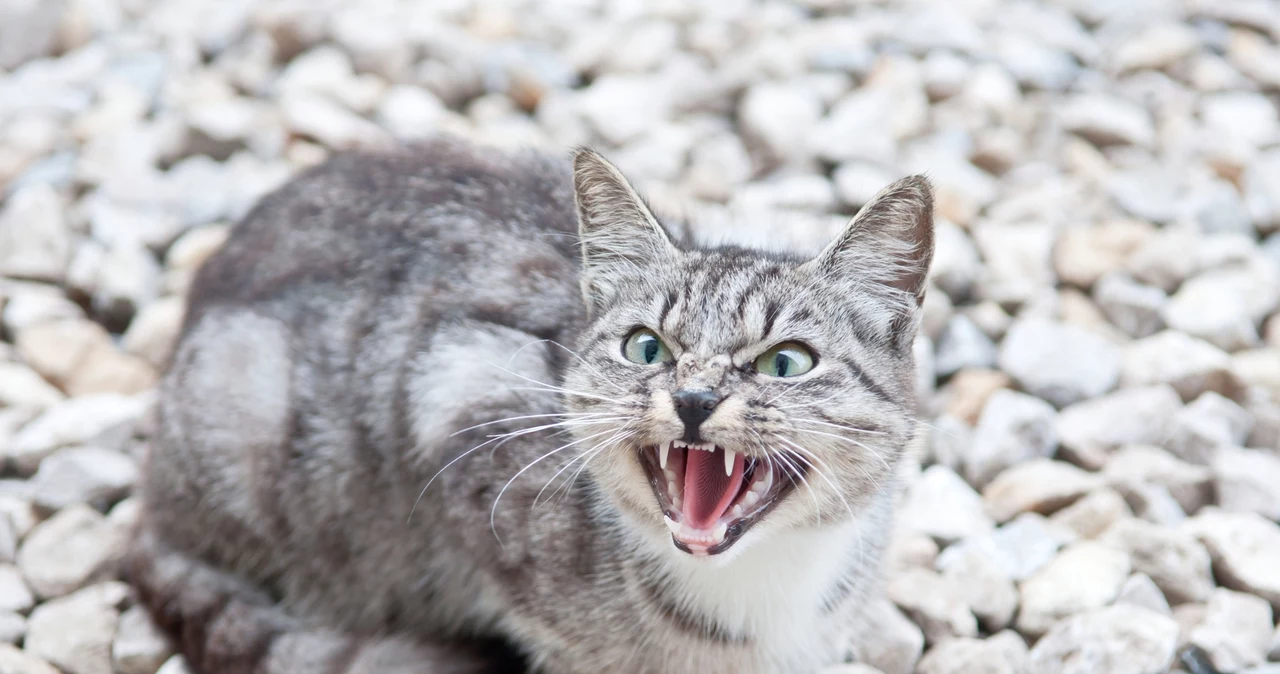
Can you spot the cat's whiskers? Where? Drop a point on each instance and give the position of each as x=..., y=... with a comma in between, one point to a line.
x=527, y=416
x=621, y=434
x=784, y=392
x=589, y=457
x=813, y=462
x=854, y=429
x=544, y=386
x=851, y=441
x=799, y=472
x=500, y=439
x=493, y=512
x=573, y=353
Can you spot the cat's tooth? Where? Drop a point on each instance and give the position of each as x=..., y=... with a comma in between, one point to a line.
x=750, y=498
x=721, y=529
x=662, y=454
x=737, y=511
x=671, y=488
x=670, y=474
x=729, y=456
x=671, y=524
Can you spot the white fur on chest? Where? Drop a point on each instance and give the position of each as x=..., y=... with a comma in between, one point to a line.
x=773, y=592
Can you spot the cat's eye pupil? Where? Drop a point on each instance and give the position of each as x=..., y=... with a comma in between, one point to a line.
x=645, y=348
x=789, y=359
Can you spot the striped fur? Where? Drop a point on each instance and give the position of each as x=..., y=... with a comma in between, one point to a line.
x=323, y=490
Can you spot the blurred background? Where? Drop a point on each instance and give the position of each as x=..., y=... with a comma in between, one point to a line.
x=1100, y=355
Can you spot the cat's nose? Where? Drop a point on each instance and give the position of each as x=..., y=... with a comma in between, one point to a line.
x=693, y=408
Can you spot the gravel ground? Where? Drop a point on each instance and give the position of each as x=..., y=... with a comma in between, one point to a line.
x=1101, y=352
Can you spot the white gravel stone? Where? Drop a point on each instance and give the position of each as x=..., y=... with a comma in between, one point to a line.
x=1236, y=630
x=1003, y=653
x=1017, y=260
x=35, y=241
x=93, y=475
x=1191, y=485
x=1211, y=421
x=1140, y=590
x=1019, y=548
x=1014, y=427
x=1084, y=576
x=1120, y=639
x=1192, y=366
x=410, y=112
x=858, y=181
x=139, y=647
x=985, y=587
x=154, y=331
x=1174, y=560
x=1245, y=549
x=936, y=605
x=777, y=117
x=1082, y=255
x=1157, y=46
x=1092, y=429
x=174, y=665
x=1245, y=480
x=81, y=357
x=106, y=420
x=1131, y=306
x=898, y=644
x=1093, y=514
x=1060, y=363
x=20, y=386
x=21, y=662
x=13, y=628
x=1039, y=485
x=70, y=550
x=963, y=345
x=956, y=264
x=15, y=596
x=1107, y=120
x=74, y=632
x=1224, y=306
x=942, y=505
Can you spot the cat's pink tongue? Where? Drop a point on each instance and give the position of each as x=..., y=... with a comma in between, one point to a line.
x=708, y=492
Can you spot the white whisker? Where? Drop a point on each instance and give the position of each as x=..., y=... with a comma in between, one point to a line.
x=493, y=512
x=855, y=429
x=851, y=441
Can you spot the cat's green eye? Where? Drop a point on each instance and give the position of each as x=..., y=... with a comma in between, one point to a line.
x=644, y=347
x=787, y=359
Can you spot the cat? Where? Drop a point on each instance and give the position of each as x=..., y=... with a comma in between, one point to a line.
x=442, y=402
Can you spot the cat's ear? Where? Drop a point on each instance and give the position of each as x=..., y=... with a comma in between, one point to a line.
x=620, y=235
x=889, y=241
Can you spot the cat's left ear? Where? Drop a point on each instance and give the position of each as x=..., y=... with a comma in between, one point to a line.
x=620, y=235
x=889, y=241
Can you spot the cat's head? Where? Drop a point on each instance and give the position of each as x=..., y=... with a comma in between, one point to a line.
x=726, y=393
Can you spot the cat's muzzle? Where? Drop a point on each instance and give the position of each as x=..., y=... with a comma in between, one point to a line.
x=710, y=495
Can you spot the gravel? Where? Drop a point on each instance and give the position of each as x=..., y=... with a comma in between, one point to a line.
x=1100, y=371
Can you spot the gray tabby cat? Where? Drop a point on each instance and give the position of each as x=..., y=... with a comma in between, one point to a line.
x=430, y=399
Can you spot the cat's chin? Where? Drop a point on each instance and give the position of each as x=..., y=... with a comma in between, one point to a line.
x=711, y=496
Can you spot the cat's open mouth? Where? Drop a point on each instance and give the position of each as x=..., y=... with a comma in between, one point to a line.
x=711, y=496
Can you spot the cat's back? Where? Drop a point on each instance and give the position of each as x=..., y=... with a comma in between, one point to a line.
x=444, y=218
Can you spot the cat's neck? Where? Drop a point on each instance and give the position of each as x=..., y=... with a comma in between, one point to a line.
x=778, y=590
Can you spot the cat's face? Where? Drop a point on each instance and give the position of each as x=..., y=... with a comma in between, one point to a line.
x=723, y=394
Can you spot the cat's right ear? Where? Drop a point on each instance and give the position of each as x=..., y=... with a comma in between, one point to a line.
x=620, y=235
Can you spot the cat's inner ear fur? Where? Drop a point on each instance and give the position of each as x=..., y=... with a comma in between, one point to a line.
x=889, y=242
x=620, y=235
